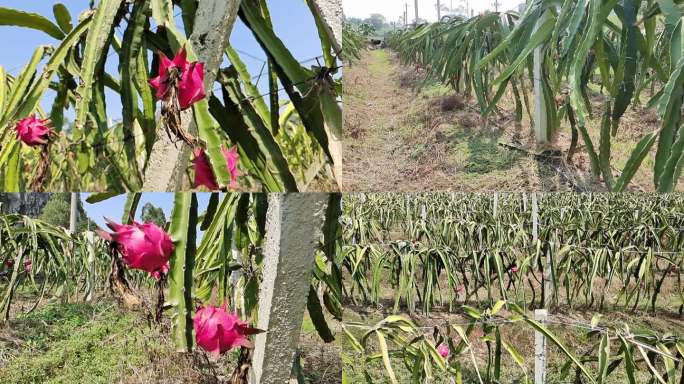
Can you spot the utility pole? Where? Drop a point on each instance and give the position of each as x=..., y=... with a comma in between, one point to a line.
x=439, y=11
x=416, y=4
x=496, y=5
x=405, y=14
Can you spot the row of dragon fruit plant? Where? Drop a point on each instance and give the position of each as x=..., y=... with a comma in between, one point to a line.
x=440, y=250
x=477, y=255
x=209, y=288
x=243, y=140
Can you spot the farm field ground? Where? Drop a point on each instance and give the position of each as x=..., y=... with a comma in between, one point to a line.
x=100, y=342
x=405, y=133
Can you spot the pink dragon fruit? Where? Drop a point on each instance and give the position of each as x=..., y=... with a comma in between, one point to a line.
x=204, y=175
x=28, y=266
x=34, y=131
x=143, y=246
x=187, y=77
x=218, y=331
x=514, y=269
x=232, y=158
x=443, y=350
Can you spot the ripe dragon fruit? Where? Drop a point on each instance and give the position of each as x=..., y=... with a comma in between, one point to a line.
x=204, y=175
x=186, y=76
x=232, y=157
x=143, y=246
x=33, y=131
x=443, y=350
x=28, y=266
x=218, y=331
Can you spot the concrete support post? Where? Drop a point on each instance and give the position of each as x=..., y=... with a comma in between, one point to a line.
x=168, y=160
x=540, y=315
x=332, y=15
x=293, y=229
x=535, y=219
x=90, y=241
x=548, y=283
x=73, y=220
x=416, y=6
x=330, y=11
x=73, y=214
x=496, y=205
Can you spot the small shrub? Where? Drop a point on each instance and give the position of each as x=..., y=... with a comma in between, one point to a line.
x=452, y=103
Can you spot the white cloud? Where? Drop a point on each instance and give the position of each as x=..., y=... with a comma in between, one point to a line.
x=394, y=9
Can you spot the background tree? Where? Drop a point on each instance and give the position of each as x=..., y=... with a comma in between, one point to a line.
x=57, y=210
x=367, y=29
x=152, y=214
x=377, y=20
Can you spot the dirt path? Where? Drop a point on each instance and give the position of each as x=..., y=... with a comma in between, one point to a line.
x=400, y=137
x=376, y=155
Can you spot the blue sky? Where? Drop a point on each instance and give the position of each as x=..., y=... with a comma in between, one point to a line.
x=113, y=208
x=292, y=22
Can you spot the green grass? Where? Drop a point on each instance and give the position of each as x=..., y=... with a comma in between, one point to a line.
x=381, y=62
x=71, y=343
x=483, y=154
x=431, y=88
x=101, y=343
x=475, y=151
x=308, y=326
